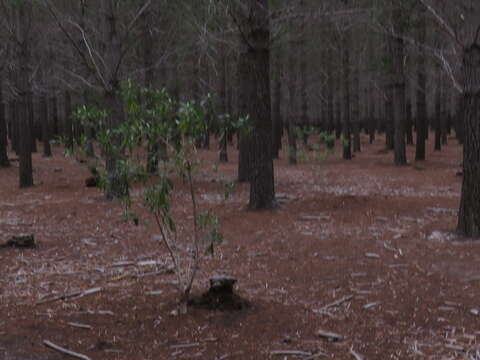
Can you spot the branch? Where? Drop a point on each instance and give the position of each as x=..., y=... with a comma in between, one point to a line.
x=443, y=23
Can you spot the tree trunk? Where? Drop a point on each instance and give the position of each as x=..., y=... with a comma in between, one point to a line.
x=277, y=121
x=13, y=127
x=4, y=162
x=53, y=112
x=25, y=143
x=68, y=126
x=222, y=106
x=255, y=55
x=292, y=109
x=437, y=120
x=356, y=112
x=47, y=151
x=421, y=118
x=409, y=123
x=346, y=141
x=469, y=212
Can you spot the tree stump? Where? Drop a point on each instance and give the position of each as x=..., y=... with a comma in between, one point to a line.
x=222, y=284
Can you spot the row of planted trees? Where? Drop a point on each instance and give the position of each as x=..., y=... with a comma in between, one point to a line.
x=339, y=66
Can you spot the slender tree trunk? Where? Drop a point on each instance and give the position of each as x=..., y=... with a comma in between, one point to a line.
x=53, y=112
x=24, y=13
x=222, y=106
x=31, y=122
x=13, y=121
x=409, y=123
x=356, y=111
x=421, y=119
x=68, y=125
x=292, y=109
x=346, y=141
x=469, y=212
x=4, y=162
x=47, y=151
x=437, y=120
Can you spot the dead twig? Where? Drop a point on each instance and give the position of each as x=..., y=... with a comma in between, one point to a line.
x=333, y=304
x=76, y=294
x=65, y=351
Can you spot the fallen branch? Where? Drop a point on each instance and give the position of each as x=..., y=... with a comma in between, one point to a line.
x=81, y=326
x=77, y=294
x=289, y=353
x=330, y=336
x=65, y=351
x=356, y=355
x=333, y=304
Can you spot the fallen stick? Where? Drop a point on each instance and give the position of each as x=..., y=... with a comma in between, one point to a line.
x=80, y=326
x=289, y=353
x=356, y=355
x=65, y=351
x=330, y=336
x=71, y=295
x=333, y=304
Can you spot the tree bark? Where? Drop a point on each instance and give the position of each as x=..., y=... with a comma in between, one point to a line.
x=68, y=125
x=24, y=13
x=4, y=162
x=469, y=212
x=47, y=150
x=346, y=141
x=421, y=96
x=255, y=55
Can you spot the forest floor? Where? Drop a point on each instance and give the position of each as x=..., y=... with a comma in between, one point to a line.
x=359, y=248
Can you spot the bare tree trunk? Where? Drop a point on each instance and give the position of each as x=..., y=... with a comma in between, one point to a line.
x=277, y=121
x=222, y=105
x=24, y=13
x=291, y=112
x=117, y=185
x=4, y=162
x=469, y=212
x=396, y=82
x=421, y=118
x=68, y=126
x=255, y=55
x=347, y=138
x=47, y=151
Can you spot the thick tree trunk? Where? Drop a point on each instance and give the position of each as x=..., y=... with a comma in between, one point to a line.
x=277, y=121
x=256, y=58
x=469, y=212
x=396, y=84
